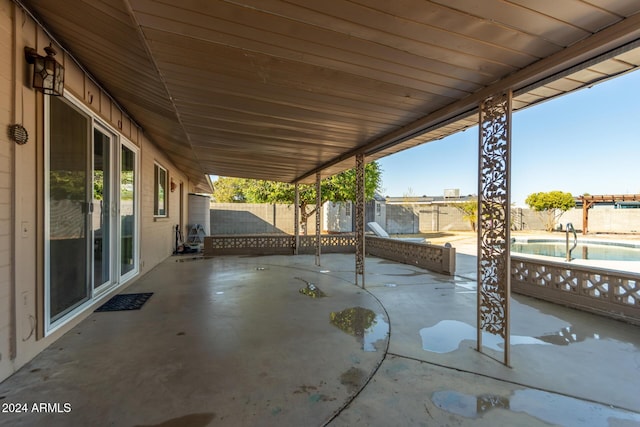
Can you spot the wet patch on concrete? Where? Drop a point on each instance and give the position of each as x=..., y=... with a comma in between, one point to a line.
x=311, y=290
x=364, y=324
x=313, y=393
x=190, y=259
x=572, y=334
x=385, y=261
x=548, y=407
x=467, y=405
x=276, y=410
x=192, y=420
x=447, y=335
x=353, y=379
x=412, y=274
x=305, y=389
x=315, y=398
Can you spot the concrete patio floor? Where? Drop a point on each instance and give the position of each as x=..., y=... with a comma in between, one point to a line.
x=233, y=341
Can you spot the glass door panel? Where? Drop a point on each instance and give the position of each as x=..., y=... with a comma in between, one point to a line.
x=101, y=218
x=127, y=211
x=68, y=242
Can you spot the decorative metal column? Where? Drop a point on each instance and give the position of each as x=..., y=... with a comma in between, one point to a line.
x=318, y=208
x=296, y=218
x=494, y=199
x=360, y=217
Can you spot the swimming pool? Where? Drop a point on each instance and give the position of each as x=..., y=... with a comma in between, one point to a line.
x=608, y=251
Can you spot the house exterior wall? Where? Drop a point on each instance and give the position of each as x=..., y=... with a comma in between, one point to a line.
x=157, y=239
x=6, y=187
x=22, y=199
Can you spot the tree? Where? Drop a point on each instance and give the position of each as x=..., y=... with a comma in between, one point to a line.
x=469, y=211
x=337, y=188
x=551, y=205
x=228, y=190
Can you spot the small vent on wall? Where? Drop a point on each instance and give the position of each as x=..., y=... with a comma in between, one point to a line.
x=18, y=134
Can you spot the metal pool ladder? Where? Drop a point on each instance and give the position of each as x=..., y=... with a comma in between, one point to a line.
x=575, y=240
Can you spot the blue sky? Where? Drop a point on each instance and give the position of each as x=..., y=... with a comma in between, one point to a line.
x=584, y=142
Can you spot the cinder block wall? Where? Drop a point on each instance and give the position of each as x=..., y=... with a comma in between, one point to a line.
x=255, y=218
x=411, y=219
x=402, y=219
x=605, y=220
x=246, y=218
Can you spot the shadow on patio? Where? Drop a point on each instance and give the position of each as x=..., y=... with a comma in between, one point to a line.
x=234, y=341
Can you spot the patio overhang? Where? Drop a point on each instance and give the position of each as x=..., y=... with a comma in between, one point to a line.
x=284, y=90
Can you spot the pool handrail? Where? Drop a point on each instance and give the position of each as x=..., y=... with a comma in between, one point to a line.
x=575, y=240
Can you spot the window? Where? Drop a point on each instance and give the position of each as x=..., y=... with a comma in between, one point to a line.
x=160, y=191
x=347, y=208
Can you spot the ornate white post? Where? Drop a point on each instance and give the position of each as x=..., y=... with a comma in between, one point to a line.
x=360, y=254
x=494, y=200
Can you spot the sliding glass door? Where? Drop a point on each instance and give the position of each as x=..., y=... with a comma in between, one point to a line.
x=128, y=220
x=90, y=211
x=68, y=209
x=102, y=218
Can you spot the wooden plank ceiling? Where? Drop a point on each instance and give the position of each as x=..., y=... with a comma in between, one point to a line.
x=278, y=90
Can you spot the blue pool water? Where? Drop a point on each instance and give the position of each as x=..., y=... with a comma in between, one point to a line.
x=586, y=250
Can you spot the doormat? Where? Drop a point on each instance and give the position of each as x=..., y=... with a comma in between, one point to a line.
x=125, y=302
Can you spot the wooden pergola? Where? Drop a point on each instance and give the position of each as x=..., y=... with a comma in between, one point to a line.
x=589, y=201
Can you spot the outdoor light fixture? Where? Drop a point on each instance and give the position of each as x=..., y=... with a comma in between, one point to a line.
x=48, y=74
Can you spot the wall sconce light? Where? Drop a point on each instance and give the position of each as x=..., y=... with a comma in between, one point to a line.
x=173, y=186
x=48, y=74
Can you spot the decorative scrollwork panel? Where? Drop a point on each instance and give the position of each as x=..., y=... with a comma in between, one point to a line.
x=493, y=218
x=360, y=217
x=318, y=212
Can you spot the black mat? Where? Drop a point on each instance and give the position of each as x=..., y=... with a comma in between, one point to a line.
x=125, y=302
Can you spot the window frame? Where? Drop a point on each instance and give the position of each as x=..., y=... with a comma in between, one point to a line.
x=157, y=211
x=48, y=325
